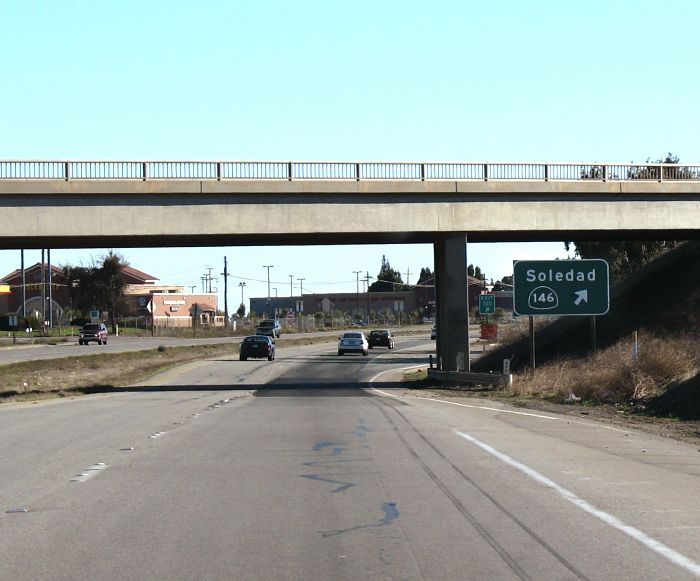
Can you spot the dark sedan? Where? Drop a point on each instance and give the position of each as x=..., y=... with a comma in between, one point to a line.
x=257, y=347
x=381, y=338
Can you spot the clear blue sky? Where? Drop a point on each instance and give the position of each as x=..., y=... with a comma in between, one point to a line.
x=556, y=80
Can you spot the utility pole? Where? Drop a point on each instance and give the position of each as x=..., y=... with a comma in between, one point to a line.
x=301, y=292
x=50, y=295
x=48, y=258
x=24, y=286
x=226, y=290
x=209, y=268
x=291, y=285
x=368, y=278
x=43, y=290
x=408, y=273
x=242, y=285
x=357, y=289
x=268, y=266
x=206, y=280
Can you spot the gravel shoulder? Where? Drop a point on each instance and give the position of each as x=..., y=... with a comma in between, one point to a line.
x=684, y=431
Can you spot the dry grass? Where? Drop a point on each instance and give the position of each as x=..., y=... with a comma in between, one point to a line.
x=93, y=373
x=106, y=372
x=613, y=375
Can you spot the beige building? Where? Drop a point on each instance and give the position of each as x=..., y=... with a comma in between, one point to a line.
x=173, y=309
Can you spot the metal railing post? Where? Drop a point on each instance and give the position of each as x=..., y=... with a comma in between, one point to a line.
x=218, y=171
x=290, y=171
x=66, y=169
x=357, y=172
x=486, y=172
x=422, y=172
x=546, y=172
x=144, y=170
x=605, y=173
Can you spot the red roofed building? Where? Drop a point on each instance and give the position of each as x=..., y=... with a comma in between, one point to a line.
x=47, y=292
x=48, y=298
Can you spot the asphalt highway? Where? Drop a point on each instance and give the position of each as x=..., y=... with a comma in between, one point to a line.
x=315, y=466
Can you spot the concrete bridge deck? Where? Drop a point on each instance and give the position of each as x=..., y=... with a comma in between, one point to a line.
x=155, y=212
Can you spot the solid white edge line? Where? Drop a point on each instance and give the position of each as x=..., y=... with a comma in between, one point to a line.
x=465, y=405
x=384, y=393
x=649, y=542
x=568, y=419
x=483, y=407
x=374, y=378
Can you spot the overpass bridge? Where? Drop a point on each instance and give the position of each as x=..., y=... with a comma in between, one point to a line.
x=102, y=204
x=128, y=203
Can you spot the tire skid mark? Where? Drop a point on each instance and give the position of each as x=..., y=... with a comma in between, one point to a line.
x=462, y=509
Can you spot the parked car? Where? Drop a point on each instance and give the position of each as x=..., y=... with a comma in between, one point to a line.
x=269, y=327
x=353, y=342
x=257, y=347
x=381, y=338
x=93, y=332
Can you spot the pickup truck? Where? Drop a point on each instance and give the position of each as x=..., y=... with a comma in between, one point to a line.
x=269, y=328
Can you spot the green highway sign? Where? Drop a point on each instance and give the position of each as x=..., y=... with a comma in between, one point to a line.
x=487, y=304
x=561, y=287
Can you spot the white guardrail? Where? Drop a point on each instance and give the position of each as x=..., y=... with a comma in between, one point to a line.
x=326, y=170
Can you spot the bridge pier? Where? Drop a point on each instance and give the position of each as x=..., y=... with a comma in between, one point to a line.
x=452, y=305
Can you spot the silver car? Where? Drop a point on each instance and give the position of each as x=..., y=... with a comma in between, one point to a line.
x=353, y=342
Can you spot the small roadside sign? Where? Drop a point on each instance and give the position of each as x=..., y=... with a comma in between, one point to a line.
x=561, y=287
x=487, y=304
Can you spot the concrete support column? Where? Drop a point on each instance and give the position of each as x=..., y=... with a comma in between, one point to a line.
x=452, y=306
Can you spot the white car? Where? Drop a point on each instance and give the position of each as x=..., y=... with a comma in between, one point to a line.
x=353, y=342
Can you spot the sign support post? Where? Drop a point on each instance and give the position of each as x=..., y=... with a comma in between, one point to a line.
x=13, y=323
x=532, y=341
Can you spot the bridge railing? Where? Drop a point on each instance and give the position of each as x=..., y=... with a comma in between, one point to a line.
x=343, y=170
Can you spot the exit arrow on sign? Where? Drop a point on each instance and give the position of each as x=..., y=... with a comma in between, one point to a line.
x=581, y=296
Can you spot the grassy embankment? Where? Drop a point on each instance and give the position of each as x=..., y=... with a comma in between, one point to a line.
x=663, y=379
